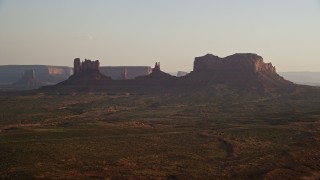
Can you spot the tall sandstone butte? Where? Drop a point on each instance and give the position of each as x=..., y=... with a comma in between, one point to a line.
x=85, y=66
x=85, y=72
x=242, y=70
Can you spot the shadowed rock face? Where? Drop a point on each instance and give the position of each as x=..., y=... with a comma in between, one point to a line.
x=29, y=80
x=246, y=71
x=157, y=74
x=85, y=66
x=237, y=70
x=86, y=72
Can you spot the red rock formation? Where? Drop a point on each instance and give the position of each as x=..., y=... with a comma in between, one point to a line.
x=85, y=66
x=237, y=62
x=86, y=72
x=157, y=74
x=238, y=69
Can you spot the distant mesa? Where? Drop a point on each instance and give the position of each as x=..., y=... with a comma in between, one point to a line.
x=181, y=73
x=10, y=74
x=85, y=72
x=29, y=80
x=124, y=75
x=47, y=74
x=117, y=72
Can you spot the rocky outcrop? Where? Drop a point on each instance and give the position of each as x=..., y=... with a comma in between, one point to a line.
x=247, y=71
x=85, y=66
x=29, y=80
x=157, y=74
x=242, y=70
x=85, y=72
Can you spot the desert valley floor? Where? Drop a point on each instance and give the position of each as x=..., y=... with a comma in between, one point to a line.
x=217, y=134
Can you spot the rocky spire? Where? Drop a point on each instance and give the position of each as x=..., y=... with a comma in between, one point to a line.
x=156, y=67
x=76, y=66
x=157, y=73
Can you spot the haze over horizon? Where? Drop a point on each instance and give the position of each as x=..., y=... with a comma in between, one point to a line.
x=142, y=32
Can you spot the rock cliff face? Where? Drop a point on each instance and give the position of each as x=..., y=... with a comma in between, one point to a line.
x=247, y=63
x=85, y=72
x=29, y=80
x=238, y=70
x=85, y=66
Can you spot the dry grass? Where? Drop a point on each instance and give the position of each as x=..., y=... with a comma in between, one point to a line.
x=101, y=136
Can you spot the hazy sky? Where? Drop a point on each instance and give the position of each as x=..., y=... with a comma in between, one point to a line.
x=140, y=32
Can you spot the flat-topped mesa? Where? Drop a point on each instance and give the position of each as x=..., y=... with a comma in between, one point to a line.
x=44, y=73
x=249, y=63
x=241, y=70
x=85, y=66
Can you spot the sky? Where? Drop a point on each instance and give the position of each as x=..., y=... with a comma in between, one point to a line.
x=173, y=32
